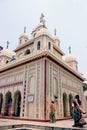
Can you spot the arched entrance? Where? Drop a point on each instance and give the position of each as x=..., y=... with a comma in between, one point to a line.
x=1, y=101
x=17, y=103
x=65, y=104
x=70, y=102
x=8, y=102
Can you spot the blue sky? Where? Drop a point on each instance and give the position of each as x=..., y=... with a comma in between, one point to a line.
x=69, y=17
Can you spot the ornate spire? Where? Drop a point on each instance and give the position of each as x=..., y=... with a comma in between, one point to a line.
x=41, y=19
x=69, y=49
x=7, y=44
x=24, y=29
x=55, y=31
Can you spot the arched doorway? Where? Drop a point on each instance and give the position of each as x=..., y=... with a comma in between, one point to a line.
x=8, y=102
x=70, y=102
x=17, y=103
x=65, y=104
x=1, y=101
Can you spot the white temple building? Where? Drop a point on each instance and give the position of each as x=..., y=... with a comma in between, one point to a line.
x=36, y=75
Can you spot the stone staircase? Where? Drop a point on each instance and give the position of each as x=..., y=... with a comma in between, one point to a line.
x=35, y=127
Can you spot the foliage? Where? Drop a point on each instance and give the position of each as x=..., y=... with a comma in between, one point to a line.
x=84, y=86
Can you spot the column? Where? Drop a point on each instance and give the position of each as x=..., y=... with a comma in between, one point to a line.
x=3, y=106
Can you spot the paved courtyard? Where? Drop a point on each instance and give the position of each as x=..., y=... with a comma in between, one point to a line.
x=59, y=124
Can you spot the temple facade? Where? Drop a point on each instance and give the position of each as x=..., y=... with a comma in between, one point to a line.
x=36, y=75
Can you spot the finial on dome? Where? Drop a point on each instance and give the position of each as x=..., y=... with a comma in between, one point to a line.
x=69, y=49
x=55, y=31
x=41, y=19
x=24, y=29
x=7, y=44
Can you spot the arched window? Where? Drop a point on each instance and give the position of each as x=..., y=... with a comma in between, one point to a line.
x=7, y=61
x=17, y=103
x=27, y=52
x=34, y=34
x=55, y=90
x=38, y=45
x=70, y=103
x=49, y=45
x=65, y=104
x=8, y=103
x=25, y=40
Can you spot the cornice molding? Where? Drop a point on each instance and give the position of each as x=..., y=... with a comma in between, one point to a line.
x=58, y=50
x=24, y=45
x=37, y=55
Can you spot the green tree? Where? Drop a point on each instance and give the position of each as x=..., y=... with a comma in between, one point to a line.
x=84, y=86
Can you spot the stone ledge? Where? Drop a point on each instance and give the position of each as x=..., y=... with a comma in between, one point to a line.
x=35, y=127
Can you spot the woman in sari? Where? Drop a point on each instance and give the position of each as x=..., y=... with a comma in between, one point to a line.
x=77, y=113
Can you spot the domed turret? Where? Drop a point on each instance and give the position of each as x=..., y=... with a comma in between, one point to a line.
x=40, y=29
x=71, y=60
x=37, y=27
x=23, y=37
x=5, y=55
x=7, y=52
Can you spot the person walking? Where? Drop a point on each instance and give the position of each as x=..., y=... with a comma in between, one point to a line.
x=52, y=112
x=77, y=112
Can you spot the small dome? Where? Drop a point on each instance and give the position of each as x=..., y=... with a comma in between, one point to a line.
x=70, y=57
x=43, y=30
x=39, y=30
x=37, y=27
x=7, y=52
x=24, y=35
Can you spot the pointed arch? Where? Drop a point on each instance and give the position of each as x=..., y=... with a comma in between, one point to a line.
x=17, y=103
x=38, y=45
x=1, y=101
x=65, y=104
x=55, y=86
x=70, y=102
x=49, y=45
x=8, y=102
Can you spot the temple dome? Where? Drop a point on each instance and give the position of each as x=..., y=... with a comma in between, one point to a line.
x=39, y=30
x=70, y=57
x=24, y=35
x=7, y=52
x=40, y=25
x=43, y=30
